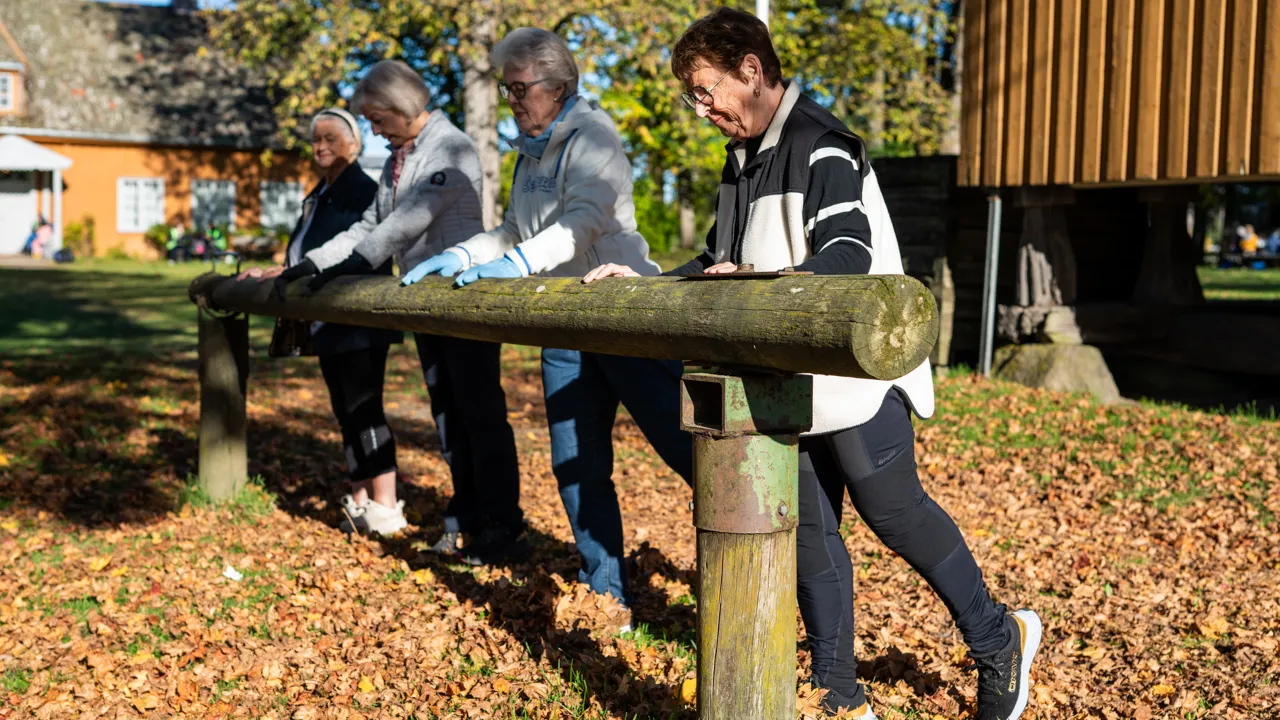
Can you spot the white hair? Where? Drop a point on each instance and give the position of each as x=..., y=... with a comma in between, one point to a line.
x=348, y=122
x=533, y=47
x=392, y=85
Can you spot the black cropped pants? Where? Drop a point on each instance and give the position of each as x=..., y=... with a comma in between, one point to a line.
x=875, y=461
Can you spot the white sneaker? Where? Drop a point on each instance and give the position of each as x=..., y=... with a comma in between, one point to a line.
x=382, y=520
x=352, y=507
x=864, y=713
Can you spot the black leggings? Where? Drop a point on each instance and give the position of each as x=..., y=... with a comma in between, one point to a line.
x=876, y=462
x=355, y=391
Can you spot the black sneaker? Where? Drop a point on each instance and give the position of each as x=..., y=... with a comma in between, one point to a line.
x=495, y=544
x=1004, y=677
x=447, y=544
x=855, y=706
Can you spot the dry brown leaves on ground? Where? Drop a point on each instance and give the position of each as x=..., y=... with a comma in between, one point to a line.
x=1145, y=537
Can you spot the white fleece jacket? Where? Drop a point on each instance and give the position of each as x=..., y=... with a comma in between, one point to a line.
x=572, y=210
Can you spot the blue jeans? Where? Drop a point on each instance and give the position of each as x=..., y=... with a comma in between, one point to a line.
x=582, y=393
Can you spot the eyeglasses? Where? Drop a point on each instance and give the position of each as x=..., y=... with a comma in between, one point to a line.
x=699, y=95
x=518, y=89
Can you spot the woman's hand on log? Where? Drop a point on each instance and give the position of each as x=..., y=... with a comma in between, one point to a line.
x=721, y=268
x=500, y=268
x=260, y=273
x=445, y=264
x=609, y=270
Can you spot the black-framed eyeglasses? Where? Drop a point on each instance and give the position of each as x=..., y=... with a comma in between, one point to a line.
x=699, y=95
x=518, y=89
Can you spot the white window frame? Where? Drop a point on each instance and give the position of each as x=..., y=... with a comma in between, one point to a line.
x=8, y=92
x=139, y=203
x=280, y=204
x=226, y=188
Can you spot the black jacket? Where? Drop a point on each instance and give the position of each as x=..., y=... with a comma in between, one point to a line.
x=336, y=210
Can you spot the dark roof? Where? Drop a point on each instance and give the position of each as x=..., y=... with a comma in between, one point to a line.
x=9, y=50
x=133, y=70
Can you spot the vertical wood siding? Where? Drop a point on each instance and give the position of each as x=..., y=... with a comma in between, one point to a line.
x=1084, y=92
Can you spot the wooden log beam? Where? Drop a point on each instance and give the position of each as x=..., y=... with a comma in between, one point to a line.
x=867, y=326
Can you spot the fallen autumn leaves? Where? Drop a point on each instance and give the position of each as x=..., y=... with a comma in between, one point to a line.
x=1146, y=538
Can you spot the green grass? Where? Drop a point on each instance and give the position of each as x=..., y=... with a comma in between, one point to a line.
x=673, y=258
x=100, y=308
x=1240, y=284
x=252, y=502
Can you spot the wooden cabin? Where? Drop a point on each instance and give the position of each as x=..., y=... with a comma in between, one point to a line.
x=1096, y=122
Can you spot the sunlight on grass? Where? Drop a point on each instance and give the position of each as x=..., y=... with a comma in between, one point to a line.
x=1240, y=283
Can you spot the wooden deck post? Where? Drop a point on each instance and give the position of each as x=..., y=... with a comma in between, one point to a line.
x=746, y=461
x=224, y=375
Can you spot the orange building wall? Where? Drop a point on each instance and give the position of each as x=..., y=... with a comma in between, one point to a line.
x=90, y=183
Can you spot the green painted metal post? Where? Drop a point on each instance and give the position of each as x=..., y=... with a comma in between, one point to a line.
x=746, y=427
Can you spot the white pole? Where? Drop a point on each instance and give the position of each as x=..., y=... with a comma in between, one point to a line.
x=987, y=341
x=57, y=209
x=762, y=11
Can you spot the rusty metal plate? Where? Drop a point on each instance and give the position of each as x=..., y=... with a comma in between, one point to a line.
x=747, y=275
x=747, y=484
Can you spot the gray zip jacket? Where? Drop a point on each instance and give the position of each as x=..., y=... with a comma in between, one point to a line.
x=435, y=206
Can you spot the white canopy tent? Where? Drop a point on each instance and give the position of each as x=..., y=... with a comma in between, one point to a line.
x=18, y=154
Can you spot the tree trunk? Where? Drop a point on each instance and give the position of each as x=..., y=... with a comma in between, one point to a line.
x=688, y=220
x=880, y=326
x=950, y=142
x=876, y=111
x=480, y=106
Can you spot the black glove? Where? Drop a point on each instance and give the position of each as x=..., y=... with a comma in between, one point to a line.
x=302, y=269
x=355, y=264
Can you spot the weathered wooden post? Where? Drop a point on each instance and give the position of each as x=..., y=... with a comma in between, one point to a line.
x=224, y=376
x=746, y=427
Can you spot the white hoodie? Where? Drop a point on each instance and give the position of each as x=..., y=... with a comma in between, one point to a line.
x=571, y=211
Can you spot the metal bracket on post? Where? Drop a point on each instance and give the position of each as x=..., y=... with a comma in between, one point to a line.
x=746, y=427
x=995, y=211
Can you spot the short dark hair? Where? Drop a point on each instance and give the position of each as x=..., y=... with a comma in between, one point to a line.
x=722, y=40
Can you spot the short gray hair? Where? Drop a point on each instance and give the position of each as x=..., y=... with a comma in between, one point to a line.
x=533, y=47
x=344, y=119
x=392, y=85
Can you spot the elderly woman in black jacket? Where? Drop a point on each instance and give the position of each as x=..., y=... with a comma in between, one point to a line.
x=352, y=359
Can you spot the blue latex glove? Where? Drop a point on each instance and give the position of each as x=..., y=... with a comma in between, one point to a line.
x=446, y=264
x=500, y=268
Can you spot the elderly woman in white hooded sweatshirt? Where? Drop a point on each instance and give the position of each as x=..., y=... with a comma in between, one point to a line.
x=570, y=211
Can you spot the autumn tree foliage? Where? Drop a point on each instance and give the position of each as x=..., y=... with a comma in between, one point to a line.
x=883, y=66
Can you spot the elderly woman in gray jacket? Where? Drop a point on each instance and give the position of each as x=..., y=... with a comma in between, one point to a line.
x=429, y=200
x=571, y=210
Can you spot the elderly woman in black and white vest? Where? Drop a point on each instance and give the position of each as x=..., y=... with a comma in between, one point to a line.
x=429, y=200
x=797, y=190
